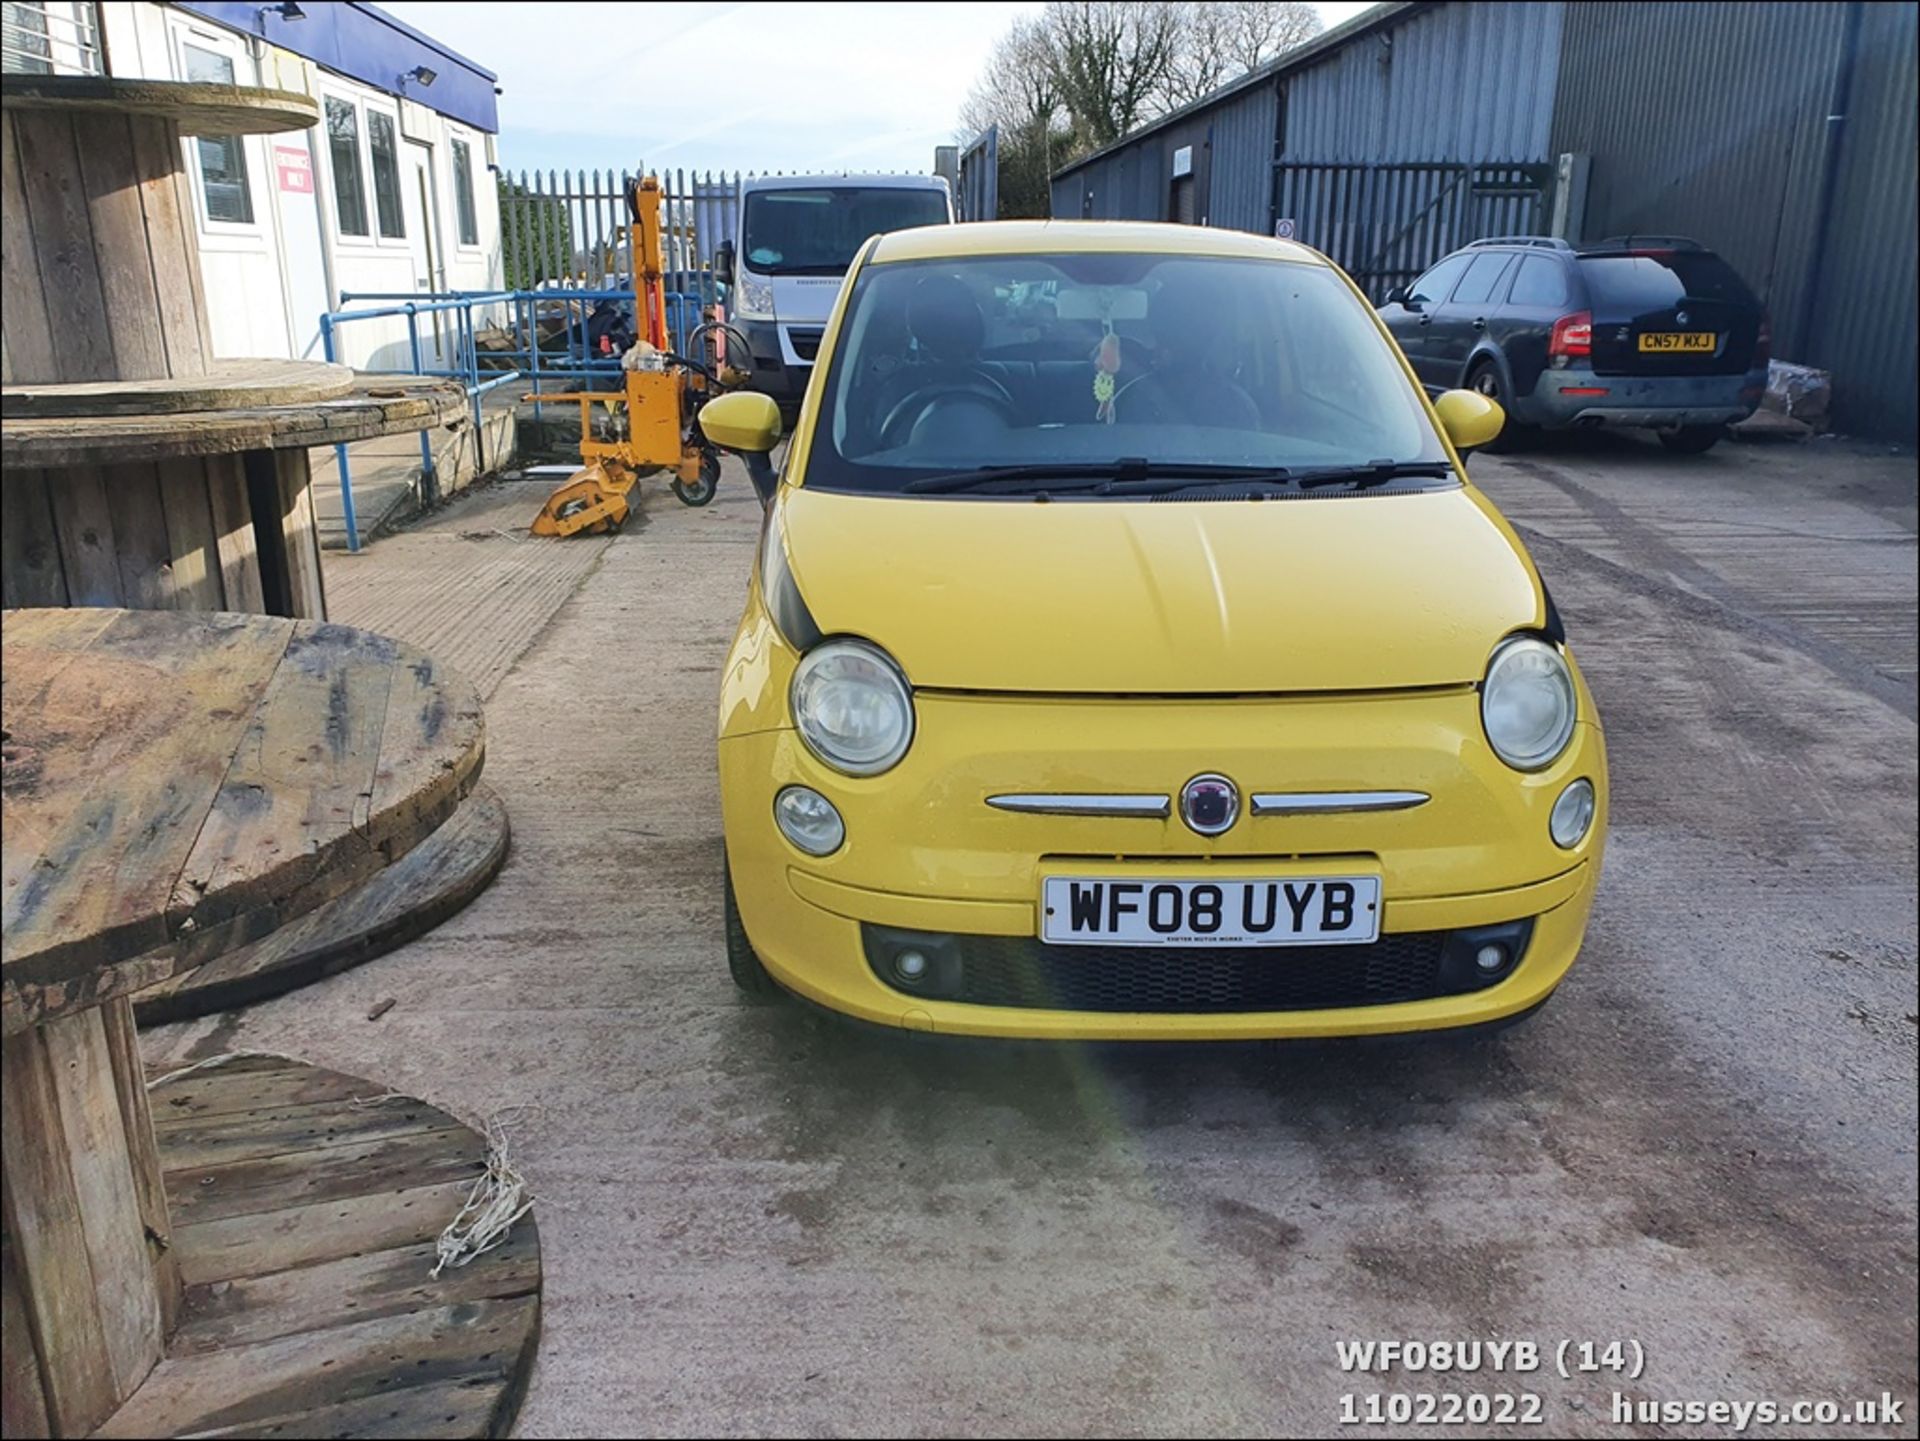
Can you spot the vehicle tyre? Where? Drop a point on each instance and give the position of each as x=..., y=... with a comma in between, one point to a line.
x=748, y=974
x=1692, y=439
x=702, y=490
x=1485, y=378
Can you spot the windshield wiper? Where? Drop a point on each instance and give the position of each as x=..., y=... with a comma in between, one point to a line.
x=1373, y=473
x=1129, y=475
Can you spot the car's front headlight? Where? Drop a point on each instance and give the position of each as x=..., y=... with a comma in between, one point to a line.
x=755, y=298
x=1528, y=703
x=852, y=706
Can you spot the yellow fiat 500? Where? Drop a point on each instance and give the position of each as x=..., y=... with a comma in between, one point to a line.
x=1129, y=657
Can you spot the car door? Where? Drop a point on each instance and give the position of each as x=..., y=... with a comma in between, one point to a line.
x=1458, y=325
x=1409, y=319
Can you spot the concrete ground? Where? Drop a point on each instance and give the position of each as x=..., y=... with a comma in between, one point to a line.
x=757, y=1223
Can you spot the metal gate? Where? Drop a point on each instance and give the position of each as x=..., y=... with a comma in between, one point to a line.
x=569, y=228
x=1385, y=224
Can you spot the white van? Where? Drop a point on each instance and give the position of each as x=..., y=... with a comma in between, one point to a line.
x=794, y=238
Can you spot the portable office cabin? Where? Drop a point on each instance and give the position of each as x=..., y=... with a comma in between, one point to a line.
x=393, y=192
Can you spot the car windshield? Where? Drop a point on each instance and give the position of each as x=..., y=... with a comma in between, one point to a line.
x=815, y=231
x=1161, y=364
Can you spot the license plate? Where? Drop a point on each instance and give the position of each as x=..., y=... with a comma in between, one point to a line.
x=1687, y=341
x=1299, y=911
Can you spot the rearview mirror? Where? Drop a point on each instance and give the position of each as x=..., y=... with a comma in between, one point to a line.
x=723, y=262
x=1469, y=419
x=743, y=421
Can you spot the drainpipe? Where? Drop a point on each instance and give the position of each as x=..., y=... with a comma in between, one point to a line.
x=1829, y=179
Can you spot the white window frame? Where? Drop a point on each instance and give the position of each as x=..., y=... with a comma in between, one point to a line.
x=474, y=152
x=228, y=235
x=363, y=105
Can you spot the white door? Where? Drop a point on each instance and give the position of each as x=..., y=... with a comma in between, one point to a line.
x=429, y=261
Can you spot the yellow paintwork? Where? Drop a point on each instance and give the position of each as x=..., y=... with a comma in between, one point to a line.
x=745, y=420
x=1469, y=419
x=1125, y=647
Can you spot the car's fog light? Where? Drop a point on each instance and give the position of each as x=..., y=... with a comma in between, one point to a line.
x=1490, y=958
x=809, y=820
x=910, y=966
x=1572, y=815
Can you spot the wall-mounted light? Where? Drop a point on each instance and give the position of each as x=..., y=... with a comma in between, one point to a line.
x=288, y=12
x=422, y=74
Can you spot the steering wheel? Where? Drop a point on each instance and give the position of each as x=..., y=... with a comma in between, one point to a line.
x=916, y=403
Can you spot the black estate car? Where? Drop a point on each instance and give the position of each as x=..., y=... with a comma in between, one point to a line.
x=1644, y=330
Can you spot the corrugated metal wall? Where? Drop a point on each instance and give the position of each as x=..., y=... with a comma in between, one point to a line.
x=1467, y=83
x=1864, y=309
x=1473, y=84
x=1710, y=120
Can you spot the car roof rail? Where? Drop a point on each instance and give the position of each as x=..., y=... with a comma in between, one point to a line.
x=1646, y=242
x=1545, y=242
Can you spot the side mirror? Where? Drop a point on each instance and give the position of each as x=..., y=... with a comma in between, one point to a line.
x=743, y=421
x=1469, y=418
x=1399, y=295
x=723, y=262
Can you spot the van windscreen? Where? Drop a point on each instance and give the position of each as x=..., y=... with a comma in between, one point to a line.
x=816, y=231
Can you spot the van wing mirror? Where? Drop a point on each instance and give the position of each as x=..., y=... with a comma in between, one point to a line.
x=723, y=262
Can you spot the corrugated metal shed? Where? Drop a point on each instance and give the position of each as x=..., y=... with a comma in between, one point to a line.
x=1470, y=83
x=1386, y=87
x=1710, y=120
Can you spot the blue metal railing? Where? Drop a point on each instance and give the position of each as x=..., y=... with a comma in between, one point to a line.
x=526, y=359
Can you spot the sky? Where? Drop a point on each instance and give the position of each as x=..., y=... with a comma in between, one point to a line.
x=722, y=86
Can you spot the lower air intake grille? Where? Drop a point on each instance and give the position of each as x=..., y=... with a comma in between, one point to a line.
x=1016, y=971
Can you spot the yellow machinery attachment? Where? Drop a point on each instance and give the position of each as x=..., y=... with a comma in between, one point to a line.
x=651, y=418
x=592, y=501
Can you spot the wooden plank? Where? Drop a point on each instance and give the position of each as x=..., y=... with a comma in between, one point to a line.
x=43, y=1216
x=198, y=107
x=84, y=522
x=208, y=1141
x=30, y=572
x=110, y=182
x=23, y=1400
x=233, y=535
x=304, y=1235
x=110, y=1214
x=226, y=384
x=293, y=803
x=140, y=538
x=191, y=542
x=301, y=534
x=380, y=405
x=252, y=1083
x=31, y=354
x=261, y=1188
x=367, y=1284
x=430, y=711
x=466, y=1407
x=244, y=1385
x=126, y=740
x=431, y=882
x=62, y=246
x=130, y=1081
x=173, y=247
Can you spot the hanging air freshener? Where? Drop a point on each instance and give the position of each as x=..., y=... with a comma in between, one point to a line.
x=1106, y=364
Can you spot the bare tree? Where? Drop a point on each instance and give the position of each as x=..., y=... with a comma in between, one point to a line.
x=1017, y=93
x=1222, y=41
x=1110, y=62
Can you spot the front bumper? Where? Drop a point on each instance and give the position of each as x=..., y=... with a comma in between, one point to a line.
x=924, y=852
x=1657, y=402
